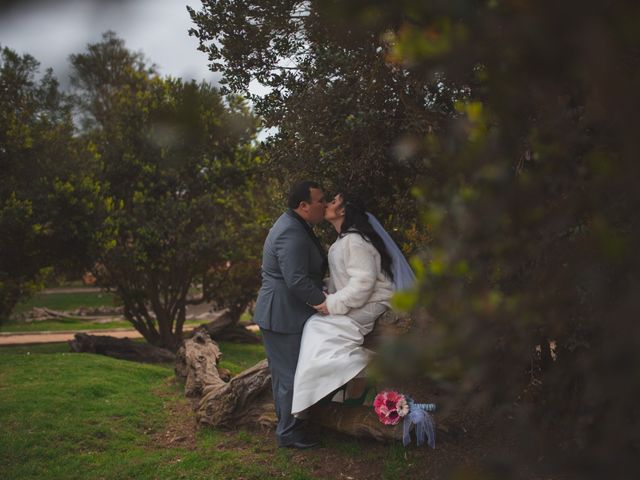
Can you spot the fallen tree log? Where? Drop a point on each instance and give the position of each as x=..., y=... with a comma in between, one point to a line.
x=246, y=400
x=196, y=364
x=218, y=324
x=225, y=328
x=121, y=348
x=357, y=421
x=238, y=334
x=389, y=325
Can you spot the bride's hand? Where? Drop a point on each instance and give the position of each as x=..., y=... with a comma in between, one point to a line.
x=322, y=308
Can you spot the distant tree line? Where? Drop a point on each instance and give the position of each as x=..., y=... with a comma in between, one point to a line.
x=152, y=183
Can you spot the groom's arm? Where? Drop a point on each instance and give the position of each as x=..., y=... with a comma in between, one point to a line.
x=292, y=252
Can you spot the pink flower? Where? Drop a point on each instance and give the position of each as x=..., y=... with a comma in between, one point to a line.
x=390, y=407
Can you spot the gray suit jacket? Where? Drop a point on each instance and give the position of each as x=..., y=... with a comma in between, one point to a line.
x=292, y=271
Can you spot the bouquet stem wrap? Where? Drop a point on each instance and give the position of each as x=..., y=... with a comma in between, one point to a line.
x=425, y=427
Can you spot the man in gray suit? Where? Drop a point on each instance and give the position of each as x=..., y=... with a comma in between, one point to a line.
x=293, y=266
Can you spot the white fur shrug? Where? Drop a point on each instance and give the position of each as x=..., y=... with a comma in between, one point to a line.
x=356, y=275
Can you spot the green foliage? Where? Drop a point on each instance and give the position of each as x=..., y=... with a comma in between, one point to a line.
x=104, y=68
x=341, y=114
x=181, y=200
x=45, y=198
x=531, y=204
x=159, y=191
x=514, y=127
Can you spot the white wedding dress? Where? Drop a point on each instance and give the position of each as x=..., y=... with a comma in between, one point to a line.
x=331, y=351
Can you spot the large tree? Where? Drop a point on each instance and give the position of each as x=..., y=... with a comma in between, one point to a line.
x=45, y=199
x=178, y=170
x=339, y=111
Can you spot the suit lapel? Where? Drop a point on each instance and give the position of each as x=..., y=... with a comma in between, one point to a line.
x=314, y=238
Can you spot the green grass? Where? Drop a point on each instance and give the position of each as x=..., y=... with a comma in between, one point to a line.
x=78, y=416
x=67, y=301
x=61, y=324
x=237, y=357
x=32, y=349
x=67, y=414
x=64, y=302
x=74, y=324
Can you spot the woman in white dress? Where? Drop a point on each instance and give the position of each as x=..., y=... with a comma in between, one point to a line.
x=360, y=288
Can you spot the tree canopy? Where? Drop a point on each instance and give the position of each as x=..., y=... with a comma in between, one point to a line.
x=45, y=196
x=340, y=111
x=177, y=165
x=512, y=124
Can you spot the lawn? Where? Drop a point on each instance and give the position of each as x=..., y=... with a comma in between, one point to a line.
x=235, y=357
x=65, y=301
x=81, y=416
x=62, y=324
x=67, y=415
x=77, y=416
x=74, y=324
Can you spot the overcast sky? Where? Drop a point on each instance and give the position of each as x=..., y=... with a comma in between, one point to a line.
x=51, y=30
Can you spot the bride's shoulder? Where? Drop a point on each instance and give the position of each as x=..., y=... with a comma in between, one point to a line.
x=352, y=238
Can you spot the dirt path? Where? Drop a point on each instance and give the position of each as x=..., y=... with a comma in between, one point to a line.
x=29, y=338
x=48, y=291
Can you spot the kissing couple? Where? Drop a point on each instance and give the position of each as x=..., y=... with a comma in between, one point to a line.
x=313, y=328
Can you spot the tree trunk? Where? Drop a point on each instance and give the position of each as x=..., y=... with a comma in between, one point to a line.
x=226, y=328
x=196, y=364
x=157, y=328
x=121, y=348
x=243, y=401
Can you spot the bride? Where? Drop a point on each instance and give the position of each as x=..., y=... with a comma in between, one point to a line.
x=363, y=263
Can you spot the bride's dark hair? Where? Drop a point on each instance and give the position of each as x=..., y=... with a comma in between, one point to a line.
x=356, y=221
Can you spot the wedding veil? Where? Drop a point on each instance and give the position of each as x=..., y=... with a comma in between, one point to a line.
x=403, y=276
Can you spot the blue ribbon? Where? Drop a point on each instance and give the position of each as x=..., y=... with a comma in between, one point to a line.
x=425, y=427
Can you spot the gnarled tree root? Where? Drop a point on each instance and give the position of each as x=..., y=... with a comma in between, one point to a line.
x=246, y=399
x=121, y=348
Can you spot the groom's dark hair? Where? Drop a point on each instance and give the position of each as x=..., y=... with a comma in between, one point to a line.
x=301, y=192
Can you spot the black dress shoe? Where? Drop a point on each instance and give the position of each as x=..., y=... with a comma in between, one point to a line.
x=302, y=444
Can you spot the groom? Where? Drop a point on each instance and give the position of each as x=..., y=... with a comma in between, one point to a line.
x=293, y=266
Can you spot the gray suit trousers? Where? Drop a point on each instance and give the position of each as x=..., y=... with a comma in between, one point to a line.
x=282, y=352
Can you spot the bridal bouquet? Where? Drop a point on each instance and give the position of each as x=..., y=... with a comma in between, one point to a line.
x=392, y=406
